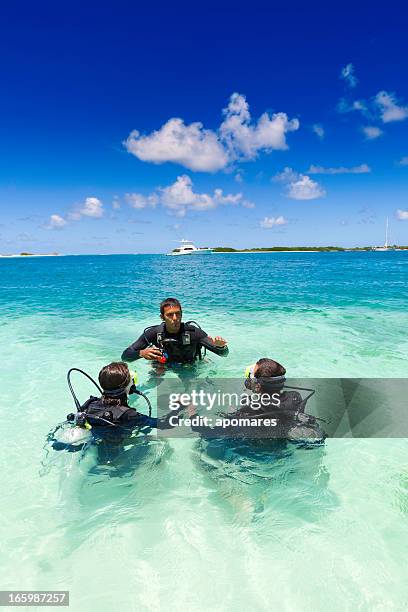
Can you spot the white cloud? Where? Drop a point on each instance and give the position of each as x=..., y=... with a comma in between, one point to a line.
x=286, y=176
x=361, y=169
x=371, y=132
x=305, y=189
x=403, y=161
x=179, y=197
x=402, y=215
x=347, y=106
x=389, y=108
x=139, y=201
x=92, y=207
x=347, y=74
x=206, y=150
x=299, y=186
x=318, y=130
x=189, y=145
x=56, y=222
x=243, y=139
x=228, y=199
x=269, y=222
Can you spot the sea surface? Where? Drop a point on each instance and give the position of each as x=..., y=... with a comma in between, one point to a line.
x=160, y=527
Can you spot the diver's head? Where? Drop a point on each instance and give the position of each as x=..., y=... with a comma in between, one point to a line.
x=265, y=376
x=116, y=381
x=268, y=368
x=171, y=313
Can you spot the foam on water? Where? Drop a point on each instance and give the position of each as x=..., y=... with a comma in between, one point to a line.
x=160, y=527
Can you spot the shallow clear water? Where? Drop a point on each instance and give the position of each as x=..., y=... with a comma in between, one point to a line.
x=162, y=528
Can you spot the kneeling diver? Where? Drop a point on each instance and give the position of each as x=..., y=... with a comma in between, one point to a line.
x=272, y=412
x=108, y=415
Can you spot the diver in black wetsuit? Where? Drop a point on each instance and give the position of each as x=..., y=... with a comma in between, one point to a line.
x=173, y=341
x=108, y=417
x=272, y=412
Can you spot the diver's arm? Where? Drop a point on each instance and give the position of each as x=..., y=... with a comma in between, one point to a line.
x=209, y=344
x=133, y=351
x=136, y=419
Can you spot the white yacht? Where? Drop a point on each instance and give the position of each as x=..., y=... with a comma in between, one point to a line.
x=188, y=248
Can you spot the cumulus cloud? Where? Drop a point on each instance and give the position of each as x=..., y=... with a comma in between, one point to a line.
x=205, y=150
x=55, y=222
x=245, y=139
x=91, y=207
x=191, y=146
x=305, y=189
x=403, y=161
x=402, y=215
x=389, y=108
x=348, y=75
x=361, y=169
x=348, y=106
x=269, y=222
x=371, y=132
x=139, y=201
x=318, y=130
x=299, y=186
x=179, y=197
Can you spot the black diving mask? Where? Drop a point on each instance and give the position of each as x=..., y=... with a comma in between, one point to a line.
x=268, y=384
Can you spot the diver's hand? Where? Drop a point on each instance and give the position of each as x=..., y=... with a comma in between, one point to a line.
x=191, y=411
x=218, y=341
x=151, y=353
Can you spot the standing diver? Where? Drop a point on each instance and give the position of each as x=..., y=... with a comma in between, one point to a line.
x=108, y=416
x=173, y=341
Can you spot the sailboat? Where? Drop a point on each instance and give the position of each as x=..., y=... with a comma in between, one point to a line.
x=386, y=246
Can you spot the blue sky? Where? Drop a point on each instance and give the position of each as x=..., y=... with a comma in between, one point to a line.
x=125, y=129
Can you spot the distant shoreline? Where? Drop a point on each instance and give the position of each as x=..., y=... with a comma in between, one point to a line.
x=31, y=255
x=275, y=251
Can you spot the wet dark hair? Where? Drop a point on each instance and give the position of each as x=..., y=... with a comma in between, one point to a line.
x=267, y=368
x=115, y=375
x=169, y=302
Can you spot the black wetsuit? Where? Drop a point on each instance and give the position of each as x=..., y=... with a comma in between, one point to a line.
x=111, y=433
x=286, y=421
x=121, y=416
x=182, y=347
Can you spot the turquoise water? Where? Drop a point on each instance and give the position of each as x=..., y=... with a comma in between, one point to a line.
x=161, y=528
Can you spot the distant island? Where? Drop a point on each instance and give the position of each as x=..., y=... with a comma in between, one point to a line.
x=295, y=248
x=31, y=255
